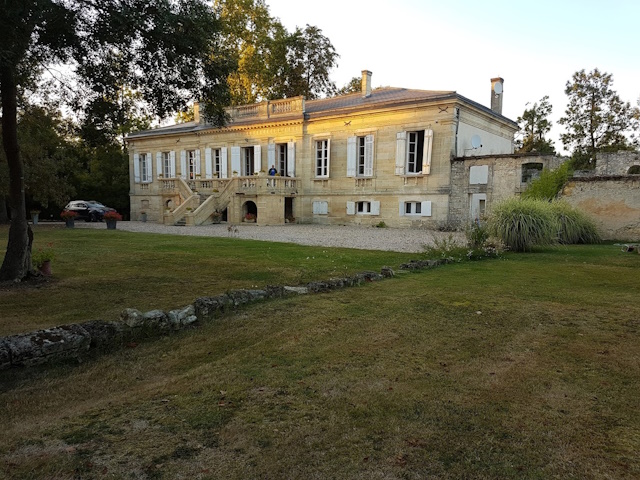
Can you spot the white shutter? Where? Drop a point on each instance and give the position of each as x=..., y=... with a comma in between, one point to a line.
x=197, y=160
x=271, y=156
x=257, y=158
x=223, y=163
x=401, y=152
x=291, y=159
x=172, y=164
x=401, y=208
x=320, y=207
x=235, y=160
x=375, y=207
x=368, y=156
x=426, y=152
x=352, y=151
x=425, y=208
x=158, y=163
x=149, y=168
x=328, y=157
x=183, y=164
x=136, y=168
x=208, y=163
x=351, y=208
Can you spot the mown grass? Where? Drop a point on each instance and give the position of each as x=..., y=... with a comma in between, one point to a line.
x=523, y=367
x=98, y=273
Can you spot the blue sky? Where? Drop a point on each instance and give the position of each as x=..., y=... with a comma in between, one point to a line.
x=536, y=46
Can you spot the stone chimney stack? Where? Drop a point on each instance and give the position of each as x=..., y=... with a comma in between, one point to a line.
x=196, y=112
x=366, y=83
x=497, y=88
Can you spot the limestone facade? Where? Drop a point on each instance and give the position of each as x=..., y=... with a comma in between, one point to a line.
x=382, y=155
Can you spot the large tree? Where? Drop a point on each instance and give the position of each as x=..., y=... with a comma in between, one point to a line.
x=534, y=125
x=160, y=48
x=596, y=118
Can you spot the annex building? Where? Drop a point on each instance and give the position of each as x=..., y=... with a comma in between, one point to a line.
x=409, y=158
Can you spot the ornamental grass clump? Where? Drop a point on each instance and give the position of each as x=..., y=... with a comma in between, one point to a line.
x=522, y=224
x=573, y=225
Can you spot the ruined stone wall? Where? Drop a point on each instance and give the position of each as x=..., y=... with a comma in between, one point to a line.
x=616, y=163
x=613, y=202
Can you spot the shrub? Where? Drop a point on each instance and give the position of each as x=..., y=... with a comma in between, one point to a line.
x=573, y=225
x=68, y=215
x=477, y=234
x=549, y=184
x=522, y=224
x=112, y=216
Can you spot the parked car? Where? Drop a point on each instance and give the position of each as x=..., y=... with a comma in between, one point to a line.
x=88, y=210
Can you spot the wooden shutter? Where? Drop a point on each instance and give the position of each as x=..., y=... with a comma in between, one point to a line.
x=375, y=207
x=401, y=208
x=208, y=163
x=235, y=160
x=426, y=152
x=136, y=168
x=172, y=164
x=401, y=152
x=183, y=164
x=271, y=156
x=368, y=156
x=158, y=163
x=257, y=159
x=352, y=152
x=223, y=163
x=351, y=208
x=425, y=208
x=328, y=156
x=149, y=168
x=291, y=159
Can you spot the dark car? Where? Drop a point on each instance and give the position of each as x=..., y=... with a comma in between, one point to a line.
x=88, y=210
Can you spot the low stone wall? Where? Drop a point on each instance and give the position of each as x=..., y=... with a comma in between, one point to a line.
x=613, y=202
x=616, y=163
x=78, y=341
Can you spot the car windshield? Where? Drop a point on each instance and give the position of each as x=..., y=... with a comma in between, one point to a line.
x=96, y=204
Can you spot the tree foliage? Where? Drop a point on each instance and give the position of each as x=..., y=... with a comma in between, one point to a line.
x=161, y=49
x=534, y=125
x=596, y=118
x=352, y=86
x=270, y=61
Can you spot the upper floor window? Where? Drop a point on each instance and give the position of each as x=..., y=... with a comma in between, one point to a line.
x=142, y=172
x=413, y=152
x=322, y=158
x=360, y=156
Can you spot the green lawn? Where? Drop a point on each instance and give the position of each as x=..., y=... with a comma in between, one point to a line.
x=98, y=273
x=522, y=367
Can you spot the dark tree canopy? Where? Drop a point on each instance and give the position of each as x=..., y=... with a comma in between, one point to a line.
x=159, y=48
x=534, y=125
x=596, y=118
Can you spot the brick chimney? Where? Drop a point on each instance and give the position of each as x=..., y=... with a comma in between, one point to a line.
x=366, y=83
x=497, y=89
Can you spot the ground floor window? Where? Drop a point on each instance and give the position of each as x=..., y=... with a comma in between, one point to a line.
x=363, y=207
x=412, y=208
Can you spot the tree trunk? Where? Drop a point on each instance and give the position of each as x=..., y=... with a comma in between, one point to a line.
x=4, y=216
x=17, y=259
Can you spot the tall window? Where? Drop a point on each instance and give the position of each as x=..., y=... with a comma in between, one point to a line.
x=415, y=146
x=145, y=171
x=248, y=161
x=281, y=152
x=322, y=158
x=217, y=168
x=166, y=165
x=192, y=164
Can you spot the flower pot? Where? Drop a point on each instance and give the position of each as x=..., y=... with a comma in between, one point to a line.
x=34, y=217
x=69, y=223
x=45, y=268
x=111, y=224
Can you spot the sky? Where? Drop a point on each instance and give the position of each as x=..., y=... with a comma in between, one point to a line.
x=535, y=45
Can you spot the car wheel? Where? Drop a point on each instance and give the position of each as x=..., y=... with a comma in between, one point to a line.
x=94, y=217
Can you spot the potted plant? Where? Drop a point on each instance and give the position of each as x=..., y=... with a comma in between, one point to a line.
x=34, y=216
x=216, y=217
x=42, y=257
x=143, y=216
x=68, y=216
x=250, y=218
x=235, y=173
x=112, y=219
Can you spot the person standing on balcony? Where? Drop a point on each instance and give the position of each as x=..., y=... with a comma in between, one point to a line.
x=272, y=171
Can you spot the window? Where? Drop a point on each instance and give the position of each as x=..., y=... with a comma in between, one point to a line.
x=360, y=156
x=215, y=162
x=193, y=165
x=320, y=207
x=282, y=164
x=417, y=208
x=364, y=207
x=145, y=176
x=479, y=175
x=248, y=161
x=531, y=171
x=322, y=158
x=189, y=164
x=166, y=165
x=413, y=152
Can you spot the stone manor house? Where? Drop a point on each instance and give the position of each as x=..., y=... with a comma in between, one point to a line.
x=408, y=158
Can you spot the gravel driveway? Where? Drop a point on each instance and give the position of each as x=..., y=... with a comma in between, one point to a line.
x=365, y=238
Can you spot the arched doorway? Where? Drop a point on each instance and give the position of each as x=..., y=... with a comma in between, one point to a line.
x=249, y=211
